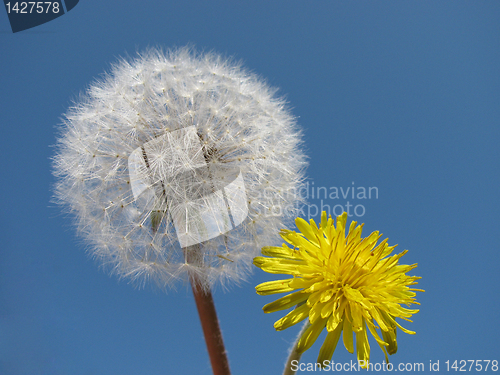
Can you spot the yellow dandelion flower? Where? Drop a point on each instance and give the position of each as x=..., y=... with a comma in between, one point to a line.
x=342, y=282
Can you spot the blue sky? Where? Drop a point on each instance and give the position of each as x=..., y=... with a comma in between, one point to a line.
x=398, y=95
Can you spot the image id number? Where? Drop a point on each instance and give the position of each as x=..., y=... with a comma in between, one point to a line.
x=32, y=7
x=472, y=365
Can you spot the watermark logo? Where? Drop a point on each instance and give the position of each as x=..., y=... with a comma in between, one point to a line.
x=334, y=200
x=338, y=199
x=170, y=177
x=27, y=14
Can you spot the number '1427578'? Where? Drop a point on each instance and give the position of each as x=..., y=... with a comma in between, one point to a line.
x=472, y=365
x=28, y=7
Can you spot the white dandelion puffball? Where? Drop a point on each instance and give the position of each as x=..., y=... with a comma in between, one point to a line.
x=175, y=151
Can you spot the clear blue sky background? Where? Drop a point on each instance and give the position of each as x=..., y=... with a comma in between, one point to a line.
x=399, y=95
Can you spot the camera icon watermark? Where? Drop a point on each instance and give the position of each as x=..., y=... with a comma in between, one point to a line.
x=171, y=177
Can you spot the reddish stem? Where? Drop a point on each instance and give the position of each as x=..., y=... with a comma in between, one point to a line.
x=209, y=322
x=211, y=329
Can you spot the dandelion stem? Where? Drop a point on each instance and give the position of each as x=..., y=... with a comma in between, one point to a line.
x=208, y=316
x=294, y=353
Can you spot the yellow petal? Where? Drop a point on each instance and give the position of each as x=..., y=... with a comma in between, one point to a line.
x=341, y=220
x=374, y=333
x=315, y=312
x=272, y=287
x=405, y=330
x=355, y=295
x=324, y=220
x=347, y=336
x=378, y=317
x=302, y=282
x=313, y=298
x=357, y=317
x=328, y=347
x=319, y=287
x=281, y=266
x=390, y=338
x=304, y=227
x=393, y=322
x=363, y=347
x=280, y=252
x=310, y=335
x=293, y=317
x=286, y=302
x=327, y=309
x=333, y=323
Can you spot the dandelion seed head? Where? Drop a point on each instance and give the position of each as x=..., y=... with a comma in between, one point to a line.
x=145, y=145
